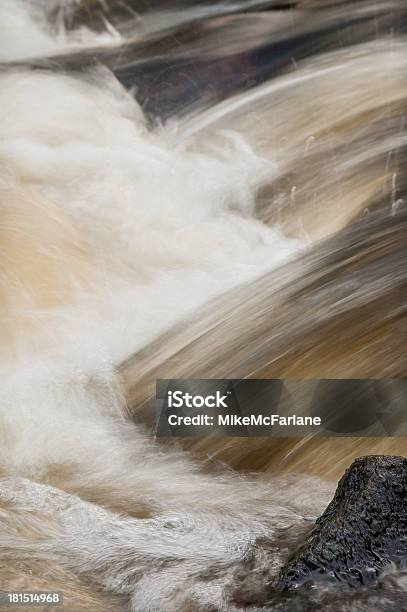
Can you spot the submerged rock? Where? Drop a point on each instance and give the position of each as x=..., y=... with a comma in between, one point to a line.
x=362, y=532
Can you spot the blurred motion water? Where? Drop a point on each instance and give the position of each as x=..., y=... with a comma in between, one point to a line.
x=190, y=190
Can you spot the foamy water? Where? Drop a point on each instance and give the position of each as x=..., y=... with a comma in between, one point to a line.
x=180, y=221
x=113, y=231
x=143, y=231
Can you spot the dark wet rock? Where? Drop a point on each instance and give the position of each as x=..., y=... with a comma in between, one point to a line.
x=361, y=533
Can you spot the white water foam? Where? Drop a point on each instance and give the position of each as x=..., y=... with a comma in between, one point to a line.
x=167, y=228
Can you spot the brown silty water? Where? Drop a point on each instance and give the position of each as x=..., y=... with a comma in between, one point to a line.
x=190, y=190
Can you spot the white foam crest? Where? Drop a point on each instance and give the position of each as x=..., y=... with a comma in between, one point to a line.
x=160, y=229
x=181, y=222
x=26, y=33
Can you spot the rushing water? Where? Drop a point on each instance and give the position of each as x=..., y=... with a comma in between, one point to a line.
x=168, y=168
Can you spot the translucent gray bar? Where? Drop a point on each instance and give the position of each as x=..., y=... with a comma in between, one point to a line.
x=281, y=408
x=31, y=598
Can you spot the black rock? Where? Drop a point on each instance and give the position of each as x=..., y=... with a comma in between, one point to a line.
x=362, y=531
